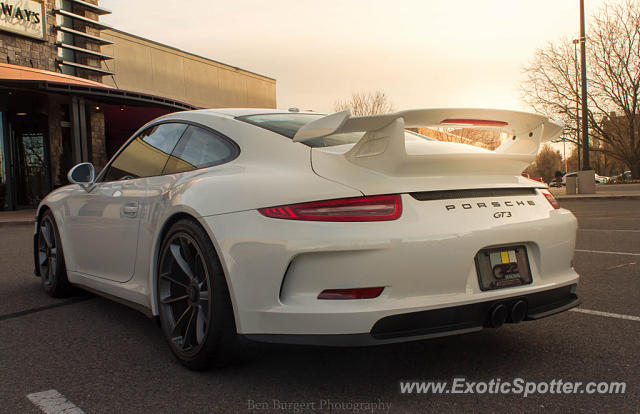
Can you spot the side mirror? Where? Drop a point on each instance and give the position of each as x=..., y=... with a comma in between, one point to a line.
x=83, y=175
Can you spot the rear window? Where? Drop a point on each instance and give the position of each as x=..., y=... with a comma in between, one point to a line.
x=289, y=124
x=283, y=124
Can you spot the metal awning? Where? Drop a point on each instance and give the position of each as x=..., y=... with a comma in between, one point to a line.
x=94, y=8
x=83, y=34
x=84, y=67
x=19, y=77
x=83, y=50
x=118, y=95
x=95, y=23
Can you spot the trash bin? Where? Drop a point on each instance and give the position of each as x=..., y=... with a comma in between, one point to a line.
x=572, y=185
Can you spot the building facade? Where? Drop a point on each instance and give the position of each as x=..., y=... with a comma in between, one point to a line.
x=73, y=89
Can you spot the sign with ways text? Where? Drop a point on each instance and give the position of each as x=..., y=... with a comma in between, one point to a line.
x=24, y=17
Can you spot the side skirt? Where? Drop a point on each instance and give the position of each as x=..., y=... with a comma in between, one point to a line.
x=115, y=291
x=133, y=305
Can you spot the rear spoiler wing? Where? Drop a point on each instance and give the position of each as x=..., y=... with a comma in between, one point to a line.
x=386, y=132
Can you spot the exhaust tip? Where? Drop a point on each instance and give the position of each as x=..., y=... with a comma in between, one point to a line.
x=497, y=315
x=518, y=311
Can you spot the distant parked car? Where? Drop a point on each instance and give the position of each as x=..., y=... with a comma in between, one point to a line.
x=600, y=179
x=621, y=178
x=564, y=177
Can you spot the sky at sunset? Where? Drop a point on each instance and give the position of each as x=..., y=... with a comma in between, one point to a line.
x=428, y=53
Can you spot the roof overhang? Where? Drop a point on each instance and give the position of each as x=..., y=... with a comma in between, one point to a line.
x=14, y=72
x=28, y=78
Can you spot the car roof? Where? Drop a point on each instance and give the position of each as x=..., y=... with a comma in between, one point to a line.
x=236, y=112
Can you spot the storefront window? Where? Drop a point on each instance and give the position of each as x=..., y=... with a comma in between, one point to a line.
x=33, y=171
x=30, y=159
x=35, y=168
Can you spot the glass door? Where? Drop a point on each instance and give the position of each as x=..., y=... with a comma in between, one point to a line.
x=31, y=172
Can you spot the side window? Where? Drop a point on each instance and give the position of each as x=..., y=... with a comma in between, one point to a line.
x=199, y=148
x=147, y=154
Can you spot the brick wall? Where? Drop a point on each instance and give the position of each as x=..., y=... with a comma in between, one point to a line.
x=55, y=140
x=42, y=54
x=25, y=51
x=96, y=137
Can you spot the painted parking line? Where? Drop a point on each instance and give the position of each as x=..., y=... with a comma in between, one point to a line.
x=612, y=230
x=52, y=402
x=607, y=314
x=603, y=252
x=44, y=308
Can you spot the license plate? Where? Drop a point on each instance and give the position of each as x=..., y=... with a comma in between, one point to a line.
x=503, y=267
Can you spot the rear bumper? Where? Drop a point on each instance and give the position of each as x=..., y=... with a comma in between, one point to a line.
x=425, y=261
x=436, y=323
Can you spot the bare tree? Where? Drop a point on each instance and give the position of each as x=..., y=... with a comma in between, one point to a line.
x=613, y=53
x=484, y=138
x=489, y=138
x=443, y=135
x=547, y=162
x=366, y=103
x=377, y=102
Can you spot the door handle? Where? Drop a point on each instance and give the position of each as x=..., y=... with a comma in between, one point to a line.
x=130, y=210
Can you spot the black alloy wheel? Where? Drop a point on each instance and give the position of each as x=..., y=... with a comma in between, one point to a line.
x=51, y=258
x=185, y=293
x=193, y=299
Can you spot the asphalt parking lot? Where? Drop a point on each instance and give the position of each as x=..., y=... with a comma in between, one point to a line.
x=105, y=357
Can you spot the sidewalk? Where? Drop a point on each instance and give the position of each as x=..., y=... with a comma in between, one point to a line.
x=8, y=218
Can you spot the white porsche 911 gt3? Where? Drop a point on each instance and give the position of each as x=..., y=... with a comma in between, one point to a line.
x=303, y=228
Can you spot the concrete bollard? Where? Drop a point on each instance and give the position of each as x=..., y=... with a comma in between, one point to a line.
x=572, y=185
x=587, y=182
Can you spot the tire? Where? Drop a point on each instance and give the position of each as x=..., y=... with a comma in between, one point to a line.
x=195, y=309
x=53, y=272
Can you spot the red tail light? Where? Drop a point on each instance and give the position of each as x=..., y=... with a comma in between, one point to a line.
x=375, y=208
x=475, y=122
x=358, y=293
x=550, y=198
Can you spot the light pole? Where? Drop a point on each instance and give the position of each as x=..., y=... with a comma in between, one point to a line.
x=583, y=74
x=564, y=152
x=575, y=64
